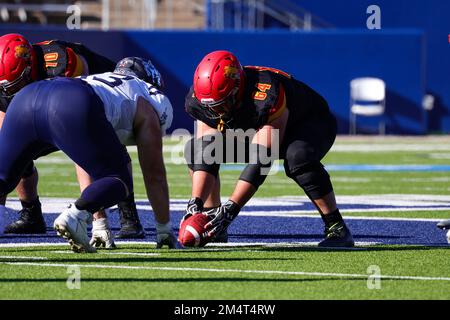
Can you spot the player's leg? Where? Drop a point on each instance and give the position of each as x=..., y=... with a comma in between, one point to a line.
x=90, y=141
x=101, y=232
x=30, y=217
x=130, y=224
x=18, y=144
x=304, y=149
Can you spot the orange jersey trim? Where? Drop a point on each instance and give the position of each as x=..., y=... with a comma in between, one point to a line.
x=277, y=110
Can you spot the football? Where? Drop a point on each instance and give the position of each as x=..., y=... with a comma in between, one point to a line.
x=192, y=231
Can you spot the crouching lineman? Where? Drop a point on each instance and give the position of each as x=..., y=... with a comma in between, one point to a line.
x=22, y=63
x=90, y=119
x=225, y=96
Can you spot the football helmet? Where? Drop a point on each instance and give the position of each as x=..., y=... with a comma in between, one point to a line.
x=219, y=83
x=140, y=68
x=17, y=64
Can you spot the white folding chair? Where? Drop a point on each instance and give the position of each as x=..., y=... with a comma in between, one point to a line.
x=367, y=98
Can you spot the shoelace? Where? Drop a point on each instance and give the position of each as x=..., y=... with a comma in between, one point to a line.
x=334, y=230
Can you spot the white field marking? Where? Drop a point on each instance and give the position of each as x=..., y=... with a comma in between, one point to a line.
x=285, y=205
x=313, y=214
x=272, y=272
x=209, y=245
x=116, y=253
x=23, y=258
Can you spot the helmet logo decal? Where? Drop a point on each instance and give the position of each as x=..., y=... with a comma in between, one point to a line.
x=22, y=51
x=231, y=72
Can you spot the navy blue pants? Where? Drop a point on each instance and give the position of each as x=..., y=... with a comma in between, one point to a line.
x=65, y=114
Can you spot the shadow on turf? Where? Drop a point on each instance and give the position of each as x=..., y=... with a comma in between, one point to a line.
x=190, y=279
x=308, y=236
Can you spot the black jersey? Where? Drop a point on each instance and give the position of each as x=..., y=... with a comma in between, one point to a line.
x=58, y=58
x=268, y=92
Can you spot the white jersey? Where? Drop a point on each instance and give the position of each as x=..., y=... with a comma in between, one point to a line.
x=120, y=93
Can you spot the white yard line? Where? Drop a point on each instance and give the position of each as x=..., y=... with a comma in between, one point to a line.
x=23, y=258
x=210, y=246
x=116, y=253
x=271, y=272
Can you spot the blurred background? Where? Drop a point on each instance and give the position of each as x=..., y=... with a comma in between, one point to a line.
x=400, y=48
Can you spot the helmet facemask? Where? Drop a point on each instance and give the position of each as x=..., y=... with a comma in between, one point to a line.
x=9, y=88
x=221, y=109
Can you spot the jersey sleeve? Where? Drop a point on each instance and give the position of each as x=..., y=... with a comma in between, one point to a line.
x=268, y=98
x=65, y=59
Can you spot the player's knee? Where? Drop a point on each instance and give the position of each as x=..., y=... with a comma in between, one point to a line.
x=195, y=159
x=298, y=154
x=313, y=179
x=29, y=170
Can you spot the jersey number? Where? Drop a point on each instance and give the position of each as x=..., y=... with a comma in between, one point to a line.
x=51, y=60
x=261, y=94
x=115, y=81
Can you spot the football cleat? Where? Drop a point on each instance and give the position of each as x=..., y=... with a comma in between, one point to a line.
x=71, y=224
x=101, y=234
x=130, y=225
x=337, y=236
x=444, y=224
x=31, y=221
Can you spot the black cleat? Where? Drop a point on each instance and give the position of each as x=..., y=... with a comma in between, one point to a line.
x=31, y=221
x=131, y=227
x=337, y=236
x=444, y=224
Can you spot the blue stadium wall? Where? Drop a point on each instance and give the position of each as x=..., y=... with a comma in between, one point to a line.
x=326, y=60
x=431, y=16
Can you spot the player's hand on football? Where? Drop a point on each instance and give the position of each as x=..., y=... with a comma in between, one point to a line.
x=223, y=218
x=101, y=234
x=195, y=206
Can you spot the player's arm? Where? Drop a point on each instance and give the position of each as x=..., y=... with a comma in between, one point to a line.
x=254, y=173
x=148, y=137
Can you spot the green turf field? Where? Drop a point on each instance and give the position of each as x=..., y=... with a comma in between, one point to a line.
x=138, y=271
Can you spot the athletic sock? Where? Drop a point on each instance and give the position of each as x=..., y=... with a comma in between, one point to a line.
x=101, y=194
x=332, y=218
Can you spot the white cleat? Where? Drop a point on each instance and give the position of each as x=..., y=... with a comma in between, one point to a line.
x=71, y=224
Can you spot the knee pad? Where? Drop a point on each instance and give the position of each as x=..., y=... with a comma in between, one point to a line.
x=29, y=170
x=313, y=179
x=193, y=154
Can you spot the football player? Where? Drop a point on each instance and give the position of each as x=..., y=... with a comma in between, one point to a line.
x=225, y=96
x=22, y=63
x=104, y=113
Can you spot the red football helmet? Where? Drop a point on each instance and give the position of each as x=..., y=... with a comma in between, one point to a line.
x=17, y=64
x=219, y=82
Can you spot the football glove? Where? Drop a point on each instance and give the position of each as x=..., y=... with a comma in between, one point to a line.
x=223, y=218
x=101, y=234
x=166, y=239
x=195, y=206
x=165, y=236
